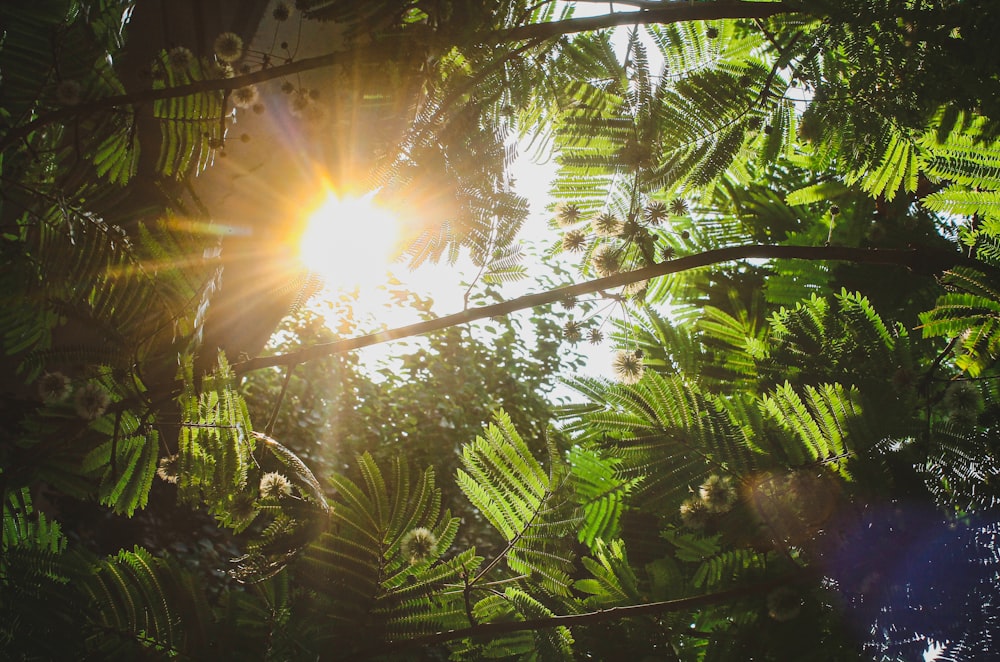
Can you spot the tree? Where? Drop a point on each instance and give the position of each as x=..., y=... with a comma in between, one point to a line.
x=423, y=405
x=798, y=458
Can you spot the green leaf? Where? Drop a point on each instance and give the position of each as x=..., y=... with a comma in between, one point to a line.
x=692, y=546
x=816, y=193
x=508, y=485
x=601, y=493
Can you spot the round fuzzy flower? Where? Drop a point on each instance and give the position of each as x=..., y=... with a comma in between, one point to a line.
x=179, y=59
x=963, y=419
x=228, y=47
x=69, y=92
x=630, y=231
x=783, y=604
x=221, y=70
x=595, y=337
x=636, y=290
x=418, y=545
x=299, y=103
x=167, y=469
x=694, y=513
x=287, y=87
x=962, y=397
x=245, y=97
x=315, y=114
x=281, y=12
x=718, y=494
x=54, y=387
x=655, y=213
x=302, y=106
x=606, y=225
x=275, y=485
x=574, y=241
x=572, y=331
x=569, y=303
x=568, y=214
x=243, y=508
x=91, y=401
x=679, y=207
x=628, y=367
x=605, y=260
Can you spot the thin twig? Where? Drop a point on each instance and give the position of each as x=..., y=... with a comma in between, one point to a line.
x=114, y=445
x=269, y=428
x=466, y=596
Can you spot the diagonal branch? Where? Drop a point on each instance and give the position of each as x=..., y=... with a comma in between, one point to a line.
x=491, y=630
x=143, y=96
x=674, y=13
x=920, y=260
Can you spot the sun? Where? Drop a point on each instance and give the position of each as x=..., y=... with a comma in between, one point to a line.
x=349, y=242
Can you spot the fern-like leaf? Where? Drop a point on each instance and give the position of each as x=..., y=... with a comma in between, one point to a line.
x=147, y=602
x=820, y=423
x=191, y=127
x=971, y=314
x=613, y=581
x=372, y=569
x=514, y=493
x=601, y=492
x=666, y=432
x=216, y=442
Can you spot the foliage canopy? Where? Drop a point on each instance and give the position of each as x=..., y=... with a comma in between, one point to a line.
x=783, y=216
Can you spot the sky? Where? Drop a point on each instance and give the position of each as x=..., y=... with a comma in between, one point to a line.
x=446, y=283
x=533, y=174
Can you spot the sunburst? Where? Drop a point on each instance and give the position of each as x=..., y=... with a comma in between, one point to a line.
x=350, y=242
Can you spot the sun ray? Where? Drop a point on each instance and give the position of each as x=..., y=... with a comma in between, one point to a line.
x=349, y=242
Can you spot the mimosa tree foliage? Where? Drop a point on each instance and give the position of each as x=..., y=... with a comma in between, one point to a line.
x=789, y=214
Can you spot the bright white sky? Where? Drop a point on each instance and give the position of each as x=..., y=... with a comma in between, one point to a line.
x=533, y=181
x=446, y=284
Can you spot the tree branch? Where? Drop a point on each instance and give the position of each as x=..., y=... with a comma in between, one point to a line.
x=921, y=260
x=589, y=618
x=215, y=84
x=675, y=13
x=641, y=4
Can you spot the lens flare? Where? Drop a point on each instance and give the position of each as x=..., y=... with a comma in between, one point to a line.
x=349, y=242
